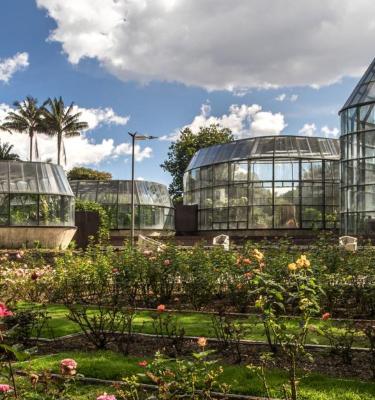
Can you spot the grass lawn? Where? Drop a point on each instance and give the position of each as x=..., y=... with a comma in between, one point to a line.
x=113, y=366
x=195, y=324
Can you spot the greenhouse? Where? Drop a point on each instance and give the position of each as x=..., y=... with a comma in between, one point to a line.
x=266, y=184
x=154, y=212
x=358, y=158
x=36, y=205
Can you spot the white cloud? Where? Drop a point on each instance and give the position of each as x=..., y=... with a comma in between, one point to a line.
x=243, y=120
x=9, y=66
x=125, y=149
x=280, y=97
x=96, y=117
x=308, y=130
x=328, y=132
x=283, y=97
x=293, y=98
x=312, y=130
x=219, y=44
x=80, y=150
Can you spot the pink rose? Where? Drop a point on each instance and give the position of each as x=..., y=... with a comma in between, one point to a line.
x=4, y=312
x=106, y=396
x=4, y=388
x=68, y=366
x=160, y=308
x=167, y=262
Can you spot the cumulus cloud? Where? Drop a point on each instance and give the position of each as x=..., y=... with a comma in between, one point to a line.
x=312, y=130
x=308, y=130
x=283, y=97
x=218, y=44
x=243, y=120
x=330, y=132
x=80, y=150
x=9, y=66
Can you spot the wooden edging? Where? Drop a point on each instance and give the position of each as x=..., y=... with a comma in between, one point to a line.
x=195, y=338
x=146, y=387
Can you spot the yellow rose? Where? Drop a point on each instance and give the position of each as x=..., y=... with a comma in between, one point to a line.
x=292, y=266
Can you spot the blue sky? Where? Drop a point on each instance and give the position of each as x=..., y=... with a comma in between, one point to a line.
x=162, y=102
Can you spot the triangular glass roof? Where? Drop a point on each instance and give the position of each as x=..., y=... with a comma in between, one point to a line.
x=364, y=92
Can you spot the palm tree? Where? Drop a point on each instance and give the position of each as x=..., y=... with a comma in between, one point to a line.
x=60, y=121
x=6, y=152
x=27, y=118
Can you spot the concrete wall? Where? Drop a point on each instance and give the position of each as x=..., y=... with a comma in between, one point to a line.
x=15, y=237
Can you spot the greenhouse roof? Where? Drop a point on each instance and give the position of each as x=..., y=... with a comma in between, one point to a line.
x=119, y=191
x=364, y=92
x=33, y=178
x=268, y=147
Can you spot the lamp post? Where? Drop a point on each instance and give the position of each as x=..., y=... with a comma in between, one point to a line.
x=135, y=136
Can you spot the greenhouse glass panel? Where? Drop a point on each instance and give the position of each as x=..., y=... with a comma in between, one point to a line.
x=221, y=174
x=260, y=217
x=4, y=209
x=238, y=171
x=24, y=209
x=286, y=217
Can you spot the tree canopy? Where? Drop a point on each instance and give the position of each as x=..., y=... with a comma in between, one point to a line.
x=83, y=173
x=6, y=152
x=181, y=151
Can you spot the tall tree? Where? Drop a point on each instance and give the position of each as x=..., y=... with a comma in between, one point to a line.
x=27, y=118
x=6, y=152
x=61, y=121
x=181, y=151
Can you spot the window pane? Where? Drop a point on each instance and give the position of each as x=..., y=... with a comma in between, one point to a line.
x=287, y=217
x=260, y=194
x=286, y=193
x=221, y=174
x=124, y=216
x=286, y=171
x=206, y=198
x=55, y=210
x=206, y=176
x=239, y=171
x=23, y=177
x=238, y=195
x=260, y=217
x=261, y=171
x=4, y=209
x=312, y=193
x=24, y=209
x=205, y=220
x=312, y=217
x=221, y=197
x=238, y=214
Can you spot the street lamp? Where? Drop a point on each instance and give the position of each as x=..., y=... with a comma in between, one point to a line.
x=135, y=136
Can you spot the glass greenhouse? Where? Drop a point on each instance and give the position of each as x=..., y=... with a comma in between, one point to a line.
x=266, y=183
x=358, y=158
x=153, y=206
x=35, y=194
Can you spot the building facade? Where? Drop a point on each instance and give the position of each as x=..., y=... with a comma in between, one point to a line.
x=36, y=205
x=266, y=185
x=358, y=158
x=154, y=212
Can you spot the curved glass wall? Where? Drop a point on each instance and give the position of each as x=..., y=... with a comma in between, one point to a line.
x=153, y=206
x=284, y=182
x=35, y=194
x=358, y=158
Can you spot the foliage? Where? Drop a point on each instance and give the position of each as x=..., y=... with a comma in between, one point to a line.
x=182, y=150
x=195, y=379
x=6, y=152
x=168, y=331
x=104, y=223
x=27, y=118
x=60, y=120
x=83, y=173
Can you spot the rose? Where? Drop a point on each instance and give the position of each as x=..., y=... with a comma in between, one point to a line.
x=326, y=316
x=4, y=388
x=246, y=261
x=167, y=262
x=143, y=363
x=292, y=266
x=160, y=308
x=202, y=342
x=4, y=312
x=106, y=396
x=68, y=366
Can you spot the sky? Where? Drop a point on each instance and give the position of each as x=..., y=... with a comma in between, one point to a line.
x=259, y=67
